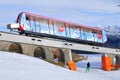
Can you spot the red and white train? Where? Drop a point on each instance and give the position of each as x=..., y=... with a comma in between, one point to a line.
x=42, y=26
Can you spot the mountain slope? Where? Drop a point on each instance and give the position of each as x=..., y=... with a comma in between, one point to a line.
x=113, y=35
x=20, y=67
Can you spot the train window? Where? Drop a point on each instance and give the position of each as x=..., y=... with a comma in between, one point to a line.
x=44, y=28
x=100, y=39
x=51, y=29
x=89, y=35
x=22, y=18
x=95, y=37
x=71, y=32
x=59, y=30
x=55, y=30
x=94, y=32
x=104, y=37
x=37, y=26
x=99, y=34
x=82, y=34
x=67, y=31
x=85, y=34
x=32, y=26
x=75, y=32
x=27, y=17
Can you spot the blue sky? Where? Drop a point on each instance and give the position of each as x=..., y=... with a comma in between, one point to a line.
x=87, y=12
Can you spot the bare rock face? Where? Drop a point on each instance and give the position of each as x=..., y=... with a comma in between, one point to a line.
x=77, y=57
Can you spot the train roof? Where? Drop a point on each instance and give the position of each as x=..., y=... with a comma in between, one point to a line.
x=62, y=21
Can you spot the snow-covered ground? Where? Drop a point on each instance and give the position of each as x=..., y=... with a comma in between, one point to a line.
x=20, y=67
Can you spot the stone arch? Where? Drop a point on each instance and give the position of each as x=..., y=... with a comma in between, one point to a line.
x=39, y=52
x=60, y=54
x=15, y=47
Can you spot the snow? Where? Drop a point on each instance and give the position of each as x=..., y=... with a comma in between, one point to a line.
x=96, y=73
x=15, y=66
x=112, y=30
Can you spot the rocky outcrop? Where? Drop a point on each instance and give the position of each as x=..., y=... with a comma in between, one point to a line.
x=78, y=57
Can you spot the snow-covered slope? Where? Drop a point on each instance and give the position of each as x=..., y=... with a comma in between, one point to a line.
x=20, y=67
x=111, y=30
x=113, y=35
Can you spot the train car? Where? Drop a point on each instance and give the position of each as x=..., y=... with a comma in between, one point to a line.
x=37, y=25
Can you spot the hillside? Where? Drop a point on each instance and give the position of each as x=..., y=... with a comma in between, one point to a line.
x=113, y=35
x=20, y=67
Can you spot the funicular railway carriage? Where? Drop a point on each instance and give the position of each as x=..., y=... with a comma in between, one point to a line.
x=37, y=25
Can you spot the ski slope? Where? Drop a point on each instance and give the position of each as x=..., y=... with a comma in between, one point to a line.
x=20, y=67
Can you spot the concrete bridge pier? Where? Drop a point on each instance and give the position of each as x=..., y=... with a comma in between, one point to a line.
x=115, y=62
x=68, y=55
x=64, y=55
x=71, y=63
x=110, y=62
x=118, y=60
x=27, y=49
x=106, y=62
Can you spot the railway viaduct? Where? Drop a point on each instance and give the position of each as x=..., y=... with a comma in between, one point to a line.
x=43, y=52
x=32, y=48
x=47, y=48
